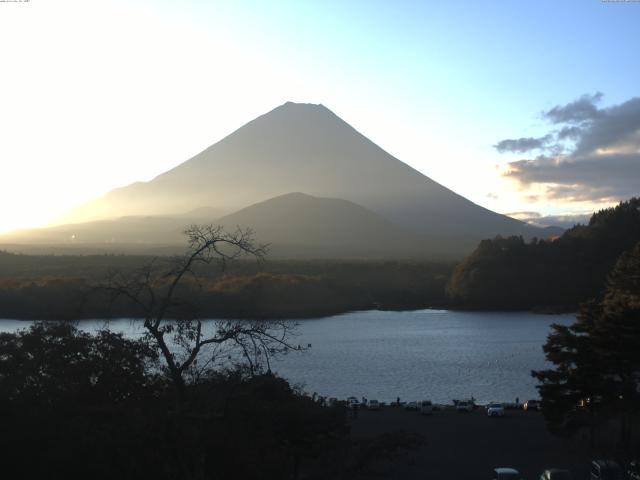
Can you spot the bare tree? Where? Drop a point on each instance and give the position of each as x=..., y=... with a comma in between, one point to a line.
x=173, y=323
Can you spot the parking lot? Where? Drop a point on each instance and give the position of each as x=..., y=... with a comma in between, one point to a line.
x=464, y=446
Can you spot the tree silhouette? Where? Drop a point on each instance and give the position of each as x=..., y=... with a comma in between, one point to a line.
x=94, y=405
x=172, y=322
x=54, y=363
x=597, y=360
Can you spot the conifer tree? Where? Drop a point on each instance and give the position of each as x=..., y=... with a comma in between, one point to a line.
x=597, y=359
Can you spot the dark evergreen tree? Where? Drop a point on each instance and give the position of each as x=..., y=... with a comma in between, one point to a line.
x=556, y=274
x=597, y=359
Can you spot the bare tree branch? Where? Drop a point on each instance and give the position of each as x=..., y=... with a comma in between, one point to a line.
x=156, y=292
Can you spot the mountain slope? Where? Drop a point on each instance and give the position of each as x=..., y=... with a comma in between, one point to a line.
x=306, y=148
x=295, y=225
x=129, y=230
x=299, y=225
x=124, y=230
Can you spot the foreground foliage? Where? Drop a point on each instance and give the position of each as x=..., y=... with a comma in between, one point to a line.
x=596, y=374
x=95, y=406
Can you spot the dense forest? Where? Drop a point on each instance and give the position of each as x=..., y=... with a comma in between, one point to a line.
x=69, y=287
x=548, y=275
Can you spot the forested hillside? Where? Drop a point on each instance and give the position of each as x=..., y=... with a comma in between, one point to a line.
x=557, y=274
x=68, y=287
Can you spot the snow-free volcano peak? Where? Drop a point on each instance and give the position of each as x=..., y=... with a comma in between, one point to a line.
x=300, y=147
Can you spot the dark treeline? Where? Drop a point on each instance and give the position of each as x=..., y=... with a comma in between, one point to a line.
x=554, y=275
x=67, y=287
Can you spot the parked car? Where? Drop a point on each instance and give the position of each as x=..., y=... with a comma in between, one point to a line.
x=605, y=470
x=532, y=405
x=495, y=410
x=411, y=406
x=506, y=473
x=426, y=407
x=353, y=402
x=464, y=406
x=556, y=474
x=633, y=470
x=374, y=405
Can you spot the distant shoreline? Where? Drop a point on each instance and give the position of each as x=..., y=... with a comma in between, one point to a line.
x=68, y=288
x=540, y=312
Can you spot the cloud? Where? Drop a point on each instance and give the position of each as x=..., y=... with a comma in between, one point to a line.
x=617, y=127
x=599, y=178
x=564, y=221
x=524, y=216
x=602, y=163
x=571, y=133
x=580, y=110
x=522, y=145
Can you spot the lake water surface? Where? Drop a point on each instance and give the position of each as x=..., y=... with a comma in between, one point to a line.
x=425, y=354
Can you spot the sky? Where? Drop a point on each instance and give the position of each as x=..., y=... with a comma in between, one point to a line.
x=529, y=108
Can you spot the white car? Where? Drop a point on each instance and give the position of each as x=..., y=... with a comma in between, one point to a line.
x=495, y=410
x=505, y=473
x=411, y=406
x=352, y=402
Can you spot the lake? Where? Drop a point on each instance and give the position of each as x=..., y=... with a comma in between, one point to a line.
x=425, y=354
